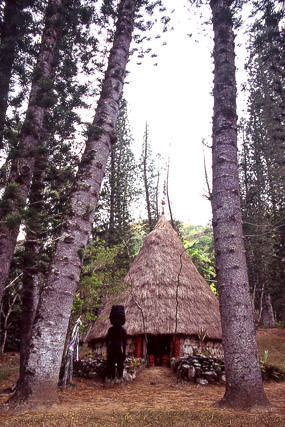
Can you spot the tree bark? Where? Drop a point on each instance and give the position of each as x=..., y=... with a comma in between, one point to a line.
x=32, y=249
x=112, y=181
x=8, y=38
x=22, y=167
x=283, y=308
x=146, y=186
x=244, y=388
x=167, y=195
x=39, y=383
x=267, y=313
x=5, y=323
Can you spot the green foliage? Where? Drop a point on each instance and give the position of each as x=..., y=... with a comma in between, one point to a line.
x=139, y=231
x=265, y=357
x=150, y=166
x=45, y=84
x=101, y=276
x=94, y=131
x=199, y=244
x=80, y=252
x=214, y=289
x=192, y=232
x=270, y=372
x=21, y=24
x=13, y=221
x=261, y=160
x=11, y=191
x=119, y=192
x=57, y=157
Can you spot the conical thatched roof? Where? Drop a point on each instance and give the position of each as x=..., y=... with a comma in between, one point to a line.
x=173, y=296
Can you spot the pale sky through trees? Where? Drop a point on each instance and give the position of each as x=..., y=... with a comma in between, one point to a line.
x=175, y=99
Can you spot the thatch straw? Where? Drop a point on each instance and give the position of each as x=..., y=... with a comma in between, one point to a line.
x=172, y=294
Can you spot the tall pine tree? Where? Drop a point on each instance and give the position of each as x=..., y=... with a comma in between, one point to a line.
x=39, y=381
x=23, y=162
x=150, y=179
x=244, y=388
x=263, y=158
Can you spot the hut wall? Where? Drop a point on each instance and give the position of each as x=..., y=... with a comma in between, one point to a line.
x=131, y=346
x=190, y=345
x=99, y=347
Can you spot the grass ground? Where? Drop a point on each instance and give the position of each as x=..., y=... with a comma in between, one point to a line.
x=273, y=341
x=153, y=399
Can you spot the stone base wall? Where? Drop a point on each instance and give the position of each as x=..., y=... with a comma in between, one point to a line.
x=96, y=368
x=191, y=345
x=200, y=369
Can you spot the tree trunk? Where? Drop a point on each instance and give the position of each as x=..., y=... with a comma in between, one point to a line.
x=112, y=182
x=32, y=249
x=281, y=263
x=30, y=300
x=244, y=388
x=22, y=168
x=39, y=383
x=267, y=313
x=283, y=308
x=167, y=195
x=5, y=323
x=157, y=205
x=8, y=37
x=146, y=186
x=251, y=270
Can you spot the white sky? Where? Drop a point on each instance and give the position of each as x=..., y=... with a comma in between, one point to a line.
x=175, y=99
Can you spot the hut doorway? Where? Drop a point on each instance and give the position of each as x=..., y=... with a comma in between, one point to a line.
x=158, y=349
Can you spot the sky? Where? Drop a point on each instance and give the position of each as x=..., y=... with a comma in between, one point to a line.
x=175, y=99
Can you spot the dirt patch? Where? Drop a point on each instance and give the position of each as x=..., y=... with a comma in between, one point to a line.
x=154, y=398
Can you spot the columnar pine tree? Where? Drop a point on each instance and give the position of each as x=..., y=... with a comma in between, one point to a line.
x=55, y=162
x=16, y=27
x=8, y=31
x=244, y=388
x=31, y=256
x=41, y=99
x=39, y=382
x=262, y=162
x=122, y=180
x=150, y=183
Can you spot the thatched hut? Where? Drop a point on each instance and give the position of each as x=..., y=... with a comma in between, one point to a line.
x=169, y=307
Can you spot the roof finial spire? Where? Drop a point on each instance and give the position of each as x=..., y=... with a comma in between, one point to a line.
x=163, y=202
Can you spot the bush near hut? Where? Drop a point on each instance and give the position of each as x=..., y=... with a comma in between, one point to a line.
x=271, y=372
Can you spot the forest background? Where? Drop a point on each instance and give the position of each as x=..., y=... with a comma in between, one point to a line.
x=130, y=182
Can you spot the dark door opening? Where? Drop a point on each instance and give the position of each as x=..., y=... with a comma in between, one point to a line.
x=158, y=345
